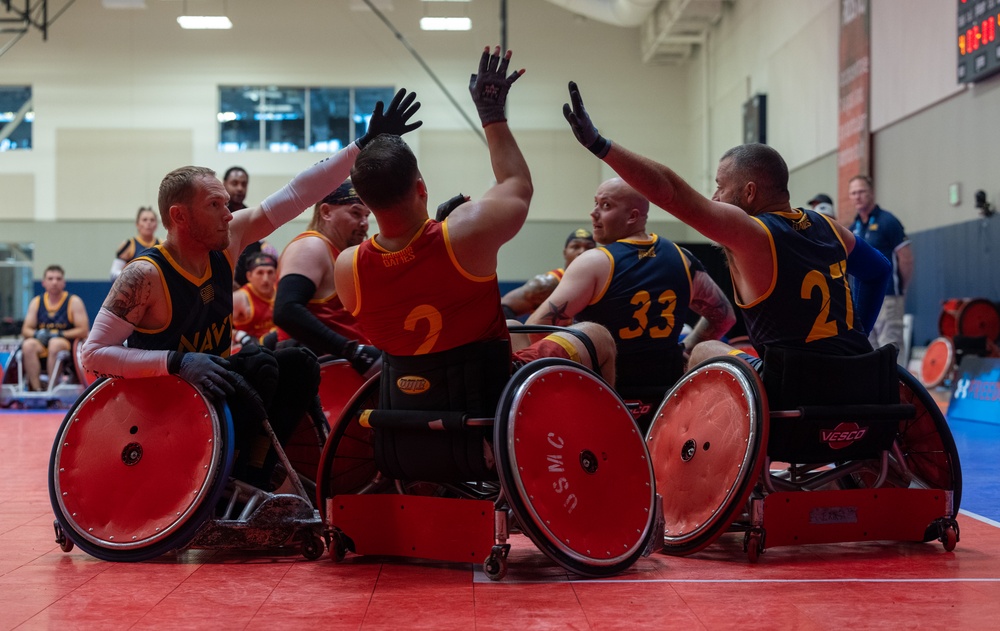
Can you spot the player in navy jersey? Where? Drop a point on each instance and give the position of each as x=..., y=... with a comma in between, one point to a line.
x=640, y=287
x=789, y=266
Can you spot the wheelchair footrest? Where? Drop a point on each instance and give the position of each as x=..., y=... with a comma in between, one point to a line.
x=889, y=514
x=272, y=525
x=438, y=528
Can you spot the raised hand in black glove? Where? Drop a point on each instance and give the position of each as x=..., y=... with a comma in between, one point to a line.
x=365, y=359
x=209, y=373
x=583, y=129
x=395, y=120
x=445, y=208
x=490, y=86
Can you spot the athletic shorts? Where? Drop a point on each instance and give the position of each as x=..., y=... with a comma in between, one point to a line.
x=551, y=346
x=755, y=362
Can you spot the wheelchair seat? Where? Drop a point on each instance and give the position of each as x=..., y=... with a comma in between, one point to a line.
x=553, y=445
x=819, y=450
x=826, y=408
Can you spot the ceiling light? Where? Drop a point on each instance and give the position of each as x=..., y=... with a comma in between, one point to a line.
x=446, y=24
x=204, y=21
x=123, y=4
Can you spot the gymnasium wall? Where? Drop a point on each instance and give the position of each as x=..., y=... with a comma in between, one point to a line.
x=123, y=96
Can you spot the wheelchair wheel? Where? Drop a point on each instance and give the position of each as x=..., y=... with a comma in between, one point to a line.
x=926, y=442
x=347, y=464
x=137, y=467
x=938, y=361
x=708, y=443
x=574, y=468
x=926, y=456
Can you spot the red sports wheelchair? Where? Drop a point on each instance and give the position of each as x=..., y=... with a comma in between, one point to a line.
x=142, y=467
x=442, y=454
x=820, y=450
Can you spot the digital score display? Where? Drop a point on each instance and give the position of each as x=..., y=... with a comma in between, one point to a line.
x=978, y=51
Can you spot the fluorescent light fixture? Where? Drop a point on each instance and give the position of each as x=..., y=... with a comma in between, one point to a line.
x=123, y=4
x=446, y=24
x=204, y=22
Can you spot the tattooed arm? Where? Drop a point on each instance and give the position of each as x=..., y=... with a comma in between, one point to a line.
x=136, y=300
x=708, y=301
x=580, y=285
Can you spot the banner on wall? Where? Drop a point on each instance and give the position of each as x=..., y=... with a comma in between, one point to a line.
x=975, y=394
x=853, y=130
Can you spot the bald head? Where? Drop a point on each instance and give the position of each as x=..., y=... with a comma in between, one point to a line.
x=619, y=211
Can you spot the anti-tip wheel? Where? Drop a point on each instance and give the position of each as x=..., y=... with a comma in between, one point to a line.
x=495, y=567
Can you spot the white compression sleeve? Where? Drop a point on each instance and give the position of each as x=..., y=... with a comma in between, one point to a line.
x=117, y=266
x=105, y=356
x=310, y=186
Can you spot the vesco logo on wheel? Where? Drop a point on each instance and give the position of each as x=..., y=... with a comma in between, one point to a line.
x=412, y=384
x=843, y=435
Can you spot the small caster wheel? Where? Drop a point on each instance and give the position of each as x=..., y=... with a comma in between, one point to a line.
x=312, y=547
x=338, y=547
x=949, y=538
x=754, y=548
x=65, y=543
x=495, y=567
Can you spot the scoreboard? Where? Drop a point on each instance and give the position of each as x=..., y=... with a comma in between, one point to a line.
x=978, y=51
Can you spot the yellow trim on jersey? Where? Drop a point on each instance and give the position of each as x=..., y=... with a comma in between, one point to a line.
x=687, y=269
x=334, y=253
x=354, y=272
x=567, y=346
x=774, y=267
x=52, y=309
x=191, y=278
x=833, y=226
x=166, y=291
x=607, y=281
x=456, y=264
x=139, y=240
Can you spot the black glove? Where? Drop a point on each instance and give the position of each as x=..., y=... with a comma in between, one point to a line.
x=490, y=86
x=365, y=359
x=583, y=129
x=394, y=121
x=44, y=335
x=445, y=208
x=209, y=373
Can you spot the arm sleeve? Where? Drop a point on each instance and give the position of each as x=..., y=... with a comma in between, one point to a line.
x=292, y=315
x=310, y=186
x=105, y=356
x=117, y=266
x=871, y=271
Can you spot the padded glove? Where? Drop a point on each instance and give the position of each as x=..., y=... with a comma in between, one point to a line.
x=365, y=359
x=394, y=120
x=445, y=208
x=209, y=373
x=490, y=86
x=583, y=128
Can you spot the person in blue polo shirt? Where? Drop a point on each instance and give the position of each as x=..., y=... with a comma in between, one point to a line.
x=885, y=233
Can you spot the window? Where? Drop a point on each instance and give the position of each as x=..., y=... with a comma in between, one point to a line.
x=284, y=119
x=16, y=116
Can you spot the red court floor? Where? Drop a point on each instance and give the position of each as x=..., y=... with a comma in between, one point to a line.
x=857, y=586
